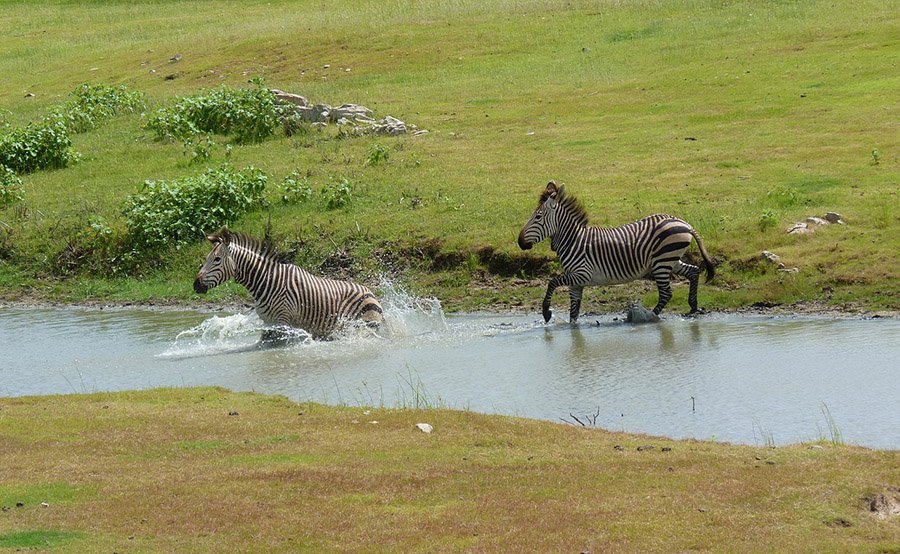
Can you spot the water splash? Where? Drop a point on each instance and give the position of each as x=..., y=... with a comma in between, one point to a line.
x=407, y=315
x=223, y=334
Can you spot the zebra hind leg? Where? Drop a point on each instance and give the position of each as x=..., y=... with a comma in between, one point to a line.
x=665, y=289
x=692, y=273
x=574, y=303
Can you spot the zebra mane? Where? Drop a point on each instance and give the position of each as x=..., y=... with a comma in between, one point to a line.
x=567, y=202
x=262, y=247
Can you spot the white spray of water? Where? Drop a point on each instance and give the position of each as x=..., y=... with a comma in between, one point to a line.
x=405, y=315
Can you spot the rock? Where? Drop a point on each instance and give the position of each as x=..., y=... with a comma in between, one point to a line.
x=789, y=270
x=799, y=229
x=420, y=132
x=319, y=125
x=645, y=447
x=425, y=427
x=390, y=126
x=5, y=508
x=175, y=58
x=290, y=98
x=29, y=95
x=351, y=111
x=816, y=221
x=619, y=447
x=769, y=257
x=666, y=448
x=44, y=505
x=886, y=504
x=637, y=313
x=19, y=504
x=833, y=217
x=233, y=413
x=326, y=66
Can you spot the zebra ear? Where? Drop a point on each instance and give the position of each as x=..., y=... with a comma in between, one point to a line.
x=213, y=239
x=551, y=188
x=561, y=191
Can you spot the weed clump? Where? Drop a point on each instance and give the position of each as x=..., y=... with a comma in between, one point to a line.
x=295, y=189
x=37, y=146
x=179, y=211
x=10, y=187
x=91, y=105
x=249, y=115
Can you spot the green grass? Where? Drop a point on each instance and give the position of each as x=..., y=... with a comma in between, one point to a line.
x=718, y=113
x=171, y=470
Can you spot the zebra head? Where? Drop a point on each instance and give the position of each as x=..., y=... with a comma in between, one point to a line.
x=219, y=265
x=544, y=221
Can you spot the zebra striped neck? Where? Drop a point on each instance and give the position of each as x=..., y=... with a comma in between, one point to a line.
x=256, y=268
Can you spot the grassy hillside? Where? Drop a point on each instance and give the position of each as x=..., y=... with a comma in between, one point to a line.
x=740, y=117
x=204, y=470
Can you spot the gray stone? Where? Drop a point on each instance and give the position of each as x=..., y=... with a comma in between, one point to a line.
x=351, y=111
x=799, y=229
x=769, y=257
x=289, y=98
x=789, y=270
x=835, y=218
x=637, y=313
x=816, y=221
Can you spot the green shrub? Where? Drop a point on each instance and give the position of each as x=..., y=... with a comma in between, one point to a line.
x=249, y=115
x=767, y=220
x=378, y=154
x=91, y=105
x=295, y=189
x=10, y=187
x=338, y=195
x=43, y=146
x=179, y=211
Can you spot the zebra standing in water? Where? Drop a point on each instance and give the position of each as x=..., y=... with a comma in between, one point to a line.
x=284, y=293
x=651, y=247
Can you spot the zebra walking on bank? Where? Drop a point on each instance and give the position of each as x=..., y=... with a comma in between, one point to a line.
x=284, y=294
x=648, y=248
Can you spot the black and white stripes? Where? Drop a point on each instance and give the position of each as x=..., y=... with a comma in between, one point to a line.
x=651, y=247
x=285, y=295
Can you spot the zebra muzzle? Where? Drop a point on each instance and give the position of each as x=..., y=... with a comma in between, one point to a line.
x=523, y=244
x=199, y=287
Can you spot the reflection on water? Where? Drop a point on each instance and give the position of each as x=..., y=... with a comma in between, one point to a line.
x=731, y=378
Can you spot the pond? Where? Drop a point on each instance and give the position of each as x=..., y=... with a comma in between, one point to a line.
x=744, y=379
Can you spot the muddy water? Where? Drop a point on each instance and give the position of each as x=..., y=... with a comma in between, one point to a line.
x=753, y=380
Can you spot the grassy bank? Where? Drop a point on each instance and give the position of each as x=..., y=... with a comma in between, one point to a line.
x=210, y=470
x=741, y=118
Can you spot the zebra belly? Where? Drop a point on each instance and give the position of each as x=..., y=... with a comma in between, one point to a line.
x=602, y=277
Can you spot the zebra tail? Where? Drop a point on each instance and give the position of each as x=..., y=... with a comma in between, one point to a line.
x=707, y=263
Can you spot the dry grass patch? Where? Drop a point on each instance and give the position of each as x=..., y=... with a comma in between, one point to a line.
x=210, y=470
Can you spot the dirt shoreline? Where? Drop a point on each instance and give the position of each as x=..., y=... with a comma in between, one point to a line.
x=799, y=309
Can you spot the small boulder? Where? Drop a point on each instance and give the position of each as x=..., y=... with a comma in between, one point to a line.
x=290, y=98
x=770, y=257
x=799, y=229
x=425, y=427
x=637, y=313
x=816, y=221
x=833, y=217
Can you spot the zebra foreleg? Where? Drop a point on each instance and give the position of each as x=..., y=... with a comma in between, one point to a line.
x=568, y=280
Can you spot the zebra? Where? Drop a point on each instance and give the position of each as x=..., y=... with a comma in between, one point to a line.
x=284, y=294
x=648, y=248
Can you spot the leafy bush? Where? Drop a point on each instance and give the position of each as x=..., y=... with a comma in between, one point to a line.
x=767, y=220
x=10, y=187
x=91, y=105
x=198, y=148
x=377, y=155
x=295, y=189
x=179, y=211
x=338, y=195
x=250, y=115
x=43, y=146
